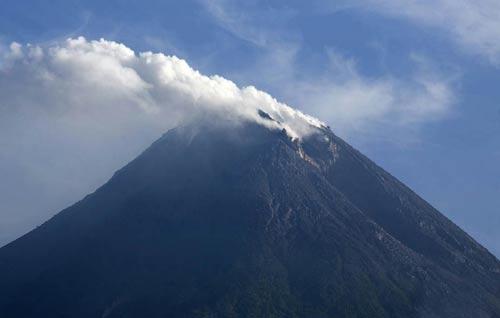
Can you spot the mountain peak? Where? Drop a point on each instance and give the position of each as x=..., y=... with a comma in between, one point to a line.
x=245, y=221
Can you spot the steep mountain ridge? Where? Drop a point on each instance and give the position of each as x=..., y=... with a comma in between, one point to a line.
x=243, y=221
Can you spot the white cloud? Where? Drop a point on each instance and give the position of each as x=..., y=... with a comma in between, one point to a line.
x=73, y=112
x=94, y=77
x=473, y=24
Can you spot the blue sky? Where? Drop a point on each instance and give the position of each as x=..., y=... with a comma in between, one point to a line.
x=412, y=84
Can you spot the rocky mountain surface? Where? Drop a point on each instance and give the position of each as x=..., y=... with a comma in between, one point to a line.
x=244, y=221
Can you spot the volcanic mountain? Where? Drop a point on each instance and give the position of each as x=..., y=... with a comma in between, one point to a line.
x=241, y=220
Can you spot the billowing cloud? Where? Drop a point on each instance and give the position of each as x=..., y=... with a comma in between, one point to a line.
x=96, y=77
x=73, y=112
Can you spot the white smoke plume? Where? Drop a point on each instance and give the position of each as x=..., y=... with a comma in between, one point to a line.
x=96, y=77
x=73, y=112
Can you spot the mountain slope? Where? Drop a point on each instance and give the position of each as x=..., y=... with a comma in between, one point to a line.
x=242, y=221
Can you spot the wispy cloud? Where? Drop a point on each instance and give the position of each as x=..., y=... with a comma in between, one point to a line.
x=353, y=102
x=241, y=20
x=339, y=92
x=473, y=24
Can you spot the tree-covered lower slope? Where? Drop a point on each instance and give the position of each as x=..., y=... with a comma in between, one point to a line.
x=242, y=221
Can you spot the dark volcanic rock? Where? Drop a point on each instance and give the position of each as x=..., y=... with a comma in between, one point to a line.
x=245, y=222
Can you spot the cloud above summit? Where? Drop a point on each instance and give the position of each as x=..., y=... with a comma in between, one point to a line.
x=73, y=112
x=92, y=79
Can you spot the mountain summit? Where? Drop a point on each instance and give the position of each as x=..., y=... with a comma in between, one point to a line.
x=245, y=221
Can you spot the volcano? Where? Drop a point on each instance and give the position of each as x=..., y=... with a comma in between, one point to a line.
x=240, y=220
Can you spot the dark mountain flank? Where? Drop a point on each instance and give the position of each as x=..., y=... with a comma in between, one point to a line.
x=243, y=221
